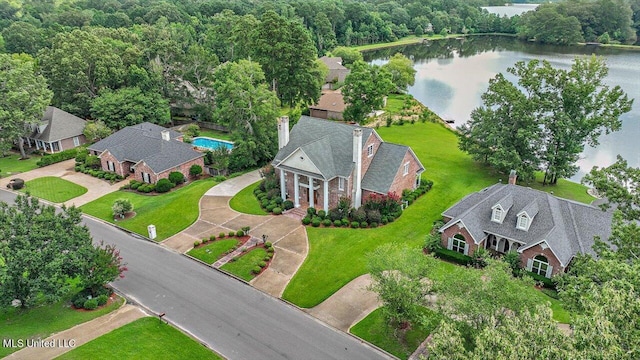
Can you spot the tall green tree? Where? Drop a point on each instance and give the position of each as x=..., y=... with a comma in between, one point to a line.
x=546, y=25
x=402, y=72
x=23, y=37
x=24, y=96
x=398, y=275
x=546, y=120
x=78, y=64
x=348, y=55
x=249, y=109
x=364, y=90
x=130, y=106
x=41, y=250
x=286, y=52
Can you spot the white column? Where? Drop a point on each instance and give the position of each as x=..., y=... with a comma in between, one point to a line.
x=311, y=204
x=296, y=190
x=283, y=189
x=59, y=146
x=326, y=196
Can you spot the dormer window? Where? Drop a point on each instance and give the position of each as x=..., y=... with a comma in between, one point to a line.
x=497, y=215
x=523, y=222
x=370, y=150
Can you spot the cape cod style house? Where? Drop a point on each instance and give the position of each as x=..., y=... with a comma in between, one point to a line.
x=545, y=230
x=57, y=131
x=147, y=151
x=320, y=161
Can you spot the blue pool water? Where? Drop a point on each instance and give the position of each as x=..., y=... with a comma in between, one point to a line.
x=211, y=144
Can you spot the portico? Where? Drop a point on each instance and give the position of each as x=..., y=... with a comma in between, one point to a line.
x=304, y=190
x=501, y=244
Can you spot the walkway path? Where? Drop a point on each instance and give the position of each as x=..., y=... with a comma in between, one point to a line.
x=287, y=235
x=80, y=334
x=352, y=303
x=95, y=187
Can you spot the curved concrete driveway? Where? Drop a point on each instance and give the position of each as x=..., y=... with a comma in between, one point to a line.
x=287, y=235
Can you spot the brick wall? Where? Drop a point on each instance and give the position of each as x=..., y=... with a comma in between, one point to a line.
x=366, y=160
x=532, y=252
x=68, y=143
x=408, y=181
x=120, y=169
x=183, y=168
x=455, y=229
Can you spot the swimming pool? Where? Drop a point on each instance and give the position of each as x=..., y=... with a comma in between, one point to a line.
x=211, y=144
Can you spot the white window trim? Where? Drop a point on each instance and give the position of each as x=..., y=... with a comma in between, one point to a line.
x=76, y=141
x=406, y=169
x=523, y=222
x=146, y=177
x=341, y=183
x=497, y=215
x=370, y=150
x=540, y=267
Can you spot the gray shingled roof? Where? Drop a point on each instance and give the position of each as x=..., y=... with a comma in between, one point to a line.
x=329, y=145
x=143, y=142
x=336, y=70
x=60, y=125
x=384, y=167
x=568, y=227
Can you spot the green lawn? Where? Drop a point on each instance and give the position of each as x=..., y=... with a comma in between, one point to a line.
x=53, y=189
x=245, y=202
x=41, y=322
x=243, y=266
x=215, y=134
x=337, y=256
x=145, y=338
x=376, y=330
x=395, y=102
x=171, y=212
x=11, y=164
x=212, y=251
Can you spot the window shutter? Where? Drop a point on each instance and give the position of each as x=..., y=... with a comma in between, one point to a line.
x=450, y=244
x=466, y=249
x=529, y=264
x=549, y=270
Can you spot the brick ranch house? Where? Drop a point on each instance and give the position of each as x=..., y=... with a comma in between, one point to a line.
x=57, y=131
x=545, y=230
x=147, y=151
x=321, y=161
x=330, y=106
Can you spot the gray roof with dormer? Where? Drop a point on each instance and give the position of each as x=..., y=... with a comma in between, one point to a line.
x=568, y=227
x=329, y=146
x=143, y=142
x=60, y=125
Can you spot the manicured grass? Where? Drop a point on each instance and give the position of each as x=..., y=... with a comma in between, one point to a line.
x=395, y=103
x=211, y=252
x=375, y=330
x=243, y=266
x=145, y=338
x=171, y=212
x=215, y=134
x=53, y=189
x=245, y=202
x=337, y=256
x=407, y=40
x=41, y=322
x=564, y=189
x=11, y=164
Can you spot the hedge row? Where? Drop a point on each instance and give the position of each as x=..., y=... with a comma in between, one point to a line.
x=48, y=159
x=100, y=174
x=453, y=256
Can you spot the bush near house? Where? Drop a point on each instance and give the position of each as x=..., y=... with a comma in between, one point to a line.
x=176, y=177
x=48, y=159
x=268, y=192
x=453, y=256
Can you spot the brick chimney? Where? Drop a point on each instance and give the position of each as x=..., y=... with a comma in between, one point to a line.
x=357, y=174
x=283, y=131
x=513, y=177
x=165, y=135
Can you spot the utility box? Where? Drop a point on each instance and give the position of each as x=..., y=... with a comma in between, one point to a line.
x=152, y=231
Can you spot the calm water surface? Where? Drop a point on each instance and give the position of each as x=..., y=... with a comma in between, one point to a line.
x=453, y=74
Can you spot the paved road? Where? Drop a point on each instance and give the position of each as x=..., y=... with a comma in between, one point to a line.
x=236, y=320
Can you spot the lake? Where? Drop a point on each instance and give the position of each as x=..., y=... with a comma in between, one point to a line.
x=453, y=74
x=511, y=10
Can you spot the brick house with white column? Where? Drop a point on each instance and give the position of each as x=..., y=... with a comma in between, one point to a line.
x=320, y=161
x=545, y=230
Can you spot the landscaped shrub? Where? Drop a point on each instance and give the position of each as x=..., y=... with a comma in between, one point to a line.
x=205, y=240
x=219, y=178
x=374, y=225
x=479, y=258
x=316, y=222
x=306, y=220
x=359, y=215
x=337, y=223
x=374, y=216
x=192, y=130
x=271, y=250
x=176, y=177
x=322, y=214
x=240, y=233
x=196, y=243
x=335, y=214
x=135, y=185
x=364, y=224
x=345, y=222
x=256, y=270
x=78, y=300
x=57, y=157
x=164, y=185
x=277, y=210
x=287, y=204
x=453, y=256
x=81, y=157
x=270, y=207
x=92, y=162
x=432, y=242
x=268, y=244
x=90, y=304
x=355, y=224
x=311, y=211
x=264, y=203
x=266, y=258
x=384, y=220
x=326, y=222
x=262, y=264
x=195, y=170
x=545, y=281
x=121, y=207
x=102, y=299
x=278, y=200
x=232, y=233
x=385, y=204
x=222, y=235
x=513, y=259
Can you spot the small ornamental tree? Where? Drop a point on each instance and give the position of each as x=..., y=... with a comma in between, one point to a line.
x=195, y=170
x=96, y=130
x=176, y=177
x=106, y=266
x=121, y=207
